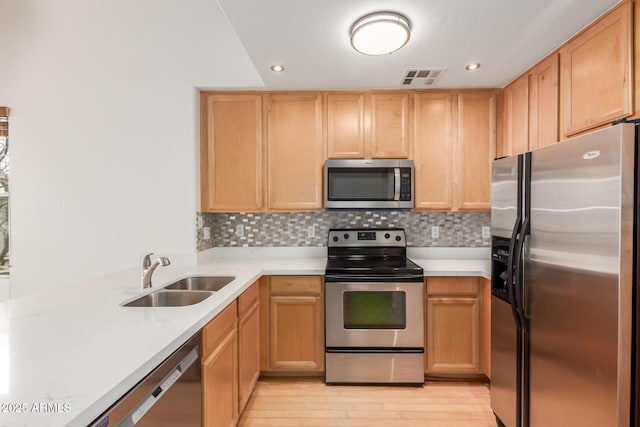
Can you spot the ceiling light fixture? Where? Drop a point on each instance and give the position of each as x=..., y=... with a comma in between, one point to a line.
x=277, y=68
x=380, y=33
x=472, y=67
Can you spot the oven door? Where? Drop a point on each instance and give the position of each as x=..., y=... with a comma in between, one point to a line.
x=374, y=315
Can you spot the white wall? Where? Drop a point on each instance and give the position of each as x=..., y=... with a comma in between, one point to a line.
x=104, y=129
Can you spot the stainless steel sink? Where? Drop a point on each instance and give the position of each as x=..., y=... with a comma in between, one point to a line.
x=174, y=298
x=201, y=283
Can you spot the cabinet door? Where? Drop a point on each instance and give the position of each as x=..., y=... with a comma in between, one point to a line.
x=543, y=103
x=516, y=117
x=220, y=384
x=595, y=67
x=433, y=149
x=295, y=152
x=485, y=322
x=345, y=126
x=248, y=344
x=454, y=325
x=453, y=335
x=389, y=132
x=296, y=324
x=476, y=148
x=231, y=152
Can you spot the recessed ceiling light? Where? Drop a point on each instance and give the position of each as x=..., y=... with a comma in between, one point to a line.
x=277, y=68
x=380, y=33
x=472, y=67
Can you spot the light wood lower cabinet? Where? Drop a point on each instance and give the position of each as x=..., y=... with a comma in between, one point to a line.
x=248, y=343
x=220, y=369
x=455, y=326
x=485, y=344
x=294, y=324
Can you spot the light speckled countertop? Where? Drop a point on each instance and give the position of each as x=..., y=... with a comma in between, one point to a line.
x=78, y=350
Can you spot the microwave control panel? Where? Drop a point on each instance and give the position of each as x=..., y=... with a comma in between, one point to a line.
x=405, y=183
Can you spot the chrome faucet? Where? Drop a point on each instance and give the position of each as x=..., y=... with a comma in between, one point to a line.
x=148, y=268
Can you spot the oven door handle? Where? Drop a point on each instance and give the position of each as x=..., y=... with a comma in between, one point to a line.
x=375, y=350
x=396, y=180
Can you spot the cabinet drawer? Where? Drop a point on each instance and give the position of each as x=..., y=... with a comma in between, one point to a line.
x=215, y=331
x=452, y=286
x=296, y=285
x=248, y=299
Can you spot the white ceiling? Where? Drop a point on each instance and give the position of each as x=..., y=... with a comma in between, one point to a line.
x=311, y=39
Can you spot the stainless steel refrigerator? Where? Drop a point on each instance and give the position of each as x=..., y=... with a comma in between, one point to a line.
x=564, y=283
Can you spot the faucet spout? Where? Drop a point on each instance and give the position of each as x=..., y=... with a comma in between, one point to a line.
x=149, y=267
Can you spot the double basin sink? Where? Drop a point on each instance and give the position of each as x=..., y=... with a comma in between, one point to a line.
x=187, y=291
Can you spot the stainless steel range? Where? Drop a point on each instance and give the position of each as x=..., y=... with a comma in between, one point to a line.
x=374, y=309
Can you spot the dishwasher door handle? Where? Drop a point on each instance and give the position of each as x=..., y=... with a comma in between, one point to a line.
x=162, y=387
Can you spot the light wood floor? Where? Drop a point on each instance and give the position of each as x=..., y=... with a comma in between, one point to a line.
x=311, y=403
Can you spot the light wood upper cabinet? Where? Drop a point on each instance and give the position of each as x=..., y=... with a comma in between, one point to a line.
x=231, y=152
x=267, y=151
x=345, y=126
x=476, y=144
x=595, y=72
x=454, y=144
x=368, y=125
x=543, y=102
x=295, y=151
x=516, y=117
x=531, y=109
x=296, y=323
x=389, y=129
x=434, y=114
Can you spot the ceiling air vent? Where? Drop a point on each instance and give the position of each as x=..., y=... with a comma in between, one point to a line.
x=421, y=78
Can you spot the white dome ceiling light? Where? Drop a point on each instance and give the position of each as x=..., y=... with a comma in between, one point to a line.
x=380, y=33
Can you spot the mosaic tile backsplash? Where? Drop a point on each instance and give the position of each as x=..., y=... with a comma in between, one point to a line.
x=456, y=229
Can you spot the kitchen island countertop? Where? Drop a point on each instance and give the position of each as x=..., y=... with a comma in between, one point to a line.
x=66, y=355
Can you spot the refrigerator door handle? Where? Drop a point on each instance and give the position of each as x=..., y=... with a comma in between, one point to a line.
x=510, y=270
x=518, y=289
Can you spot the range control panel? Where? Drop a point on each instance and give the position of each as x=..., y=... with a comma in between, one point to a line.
x=367, y=237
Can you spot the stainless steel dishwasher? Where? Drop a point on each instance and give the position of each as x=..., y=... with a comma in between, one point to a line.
x=171, y=395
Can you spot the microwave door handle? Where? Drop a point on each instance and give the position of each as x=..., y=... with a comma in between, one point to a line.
x=396, y=176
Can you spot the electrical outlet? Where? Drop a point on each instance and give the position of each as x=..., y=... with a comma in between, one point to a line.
x=311, y=231
x=486, y=232
x=239, y=230
x=206, y=233
x=435, y=231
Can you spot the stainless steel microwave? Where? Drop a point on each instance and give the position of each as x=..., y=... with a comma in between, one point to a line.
x=368, y=184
